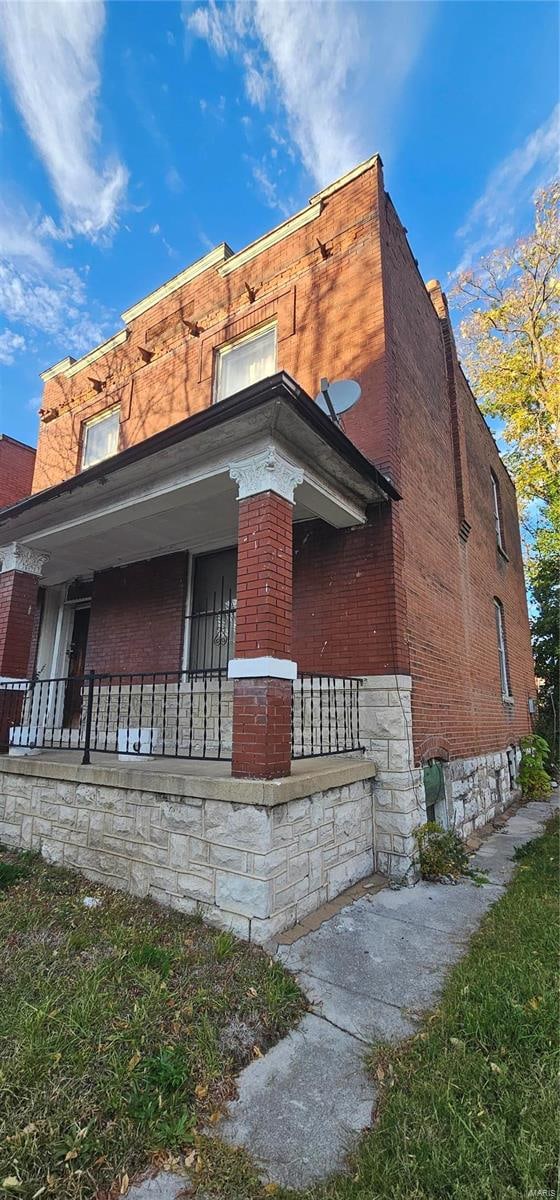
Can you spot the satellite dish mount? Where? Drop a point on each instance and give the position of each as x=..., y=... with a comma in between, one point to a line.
x=336, y=398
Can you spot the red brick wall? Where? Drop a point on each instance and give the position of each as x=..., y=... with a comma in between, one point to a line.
x=264, y=577
x=449, y=582
x=18, y=607
x=137, y=617
x=16, y=470
x=344, y=599
x=329, y=318
x=406, y=593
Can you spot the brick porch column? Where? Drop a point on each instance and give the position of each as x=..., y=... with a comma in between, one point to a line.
x=20, y=572
x=262, y=668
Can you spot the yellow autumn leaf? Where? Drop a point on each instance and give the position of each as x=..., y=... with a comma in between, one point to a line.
x=124, y=1185
x=257, y=1052
x=71, y=1154
x=133, y=1062
x=496, y=1070
x=201, y=1091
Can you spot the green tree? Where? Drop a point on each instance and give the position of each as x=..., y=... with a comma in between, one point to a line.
x=510, y=344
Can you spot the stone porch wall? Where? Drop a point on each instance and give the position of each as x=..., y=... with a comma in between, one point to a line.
x=476, y=788
x=386, y=734
x=253, y=868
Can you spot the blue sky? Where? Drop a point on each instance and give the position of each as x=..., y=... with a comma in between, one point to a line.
x=136, y=136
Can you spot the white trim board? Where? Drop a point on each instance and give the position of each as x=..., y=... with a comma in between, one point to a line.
x=266, y=667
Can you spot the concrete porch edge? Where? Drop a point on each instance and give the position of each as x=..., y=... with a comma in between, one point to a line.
x=262, y=793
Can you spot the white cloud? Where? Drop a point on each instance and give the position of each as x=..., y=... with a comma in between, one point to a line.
x=494, y=218
x=36, y=293
x=256, y=84
x=337, y=69
x=269, y=190
x=51, y=54
x=10, y=344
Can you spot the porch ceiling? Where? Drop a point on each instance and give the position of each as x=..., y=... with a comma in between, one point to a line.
x=173, y=491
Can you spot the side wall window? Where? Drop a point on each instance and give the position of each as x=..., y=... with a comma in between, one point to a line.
x=502, y=649
x=497, y=512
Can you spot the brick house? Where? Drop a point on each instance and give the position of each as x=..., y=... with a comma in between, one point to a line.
x=277, y=642
x=17, y=463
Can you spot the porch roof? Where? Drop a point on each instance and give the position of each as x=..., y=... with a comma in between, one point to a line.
x=173, y=490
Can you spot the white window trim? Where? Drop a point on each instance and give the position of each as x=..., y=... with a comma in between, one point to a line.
x=227, y=347
x=502, y=652
x=99, y=417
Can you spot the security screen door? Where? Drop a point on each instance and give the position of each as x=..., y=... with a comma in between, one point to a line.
x=211, y=626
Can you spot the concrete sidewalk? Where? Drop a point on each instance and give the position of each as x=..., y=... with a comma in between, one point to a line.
x=370, y=973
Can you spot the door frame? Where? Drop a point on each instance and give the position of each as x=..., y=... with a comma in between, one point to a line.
x=189, y=598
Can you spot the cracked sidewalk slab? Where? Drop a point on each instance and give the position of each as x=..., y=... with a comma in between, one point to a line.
x=303, y=1104
x=370, y=973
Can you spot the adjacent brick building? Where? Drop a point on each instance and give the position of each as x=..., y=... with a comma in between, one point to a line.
x=17, y=463
x=387, y=550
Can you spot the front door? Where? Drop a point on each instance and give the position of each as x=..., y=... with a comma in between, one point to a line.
x=76, y=669
x=212, y=620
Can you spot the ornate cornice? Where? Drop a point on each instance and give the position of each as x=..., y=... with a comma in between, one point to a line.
x=267, y=471
x=22, y=558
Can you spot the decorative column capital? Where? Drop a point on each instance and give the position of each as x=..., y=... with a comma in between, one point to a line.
x=266, y=471
x=22, y=558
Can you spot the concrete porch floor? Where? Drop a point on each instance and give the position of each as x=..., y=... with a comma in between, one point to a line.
x=206, y=778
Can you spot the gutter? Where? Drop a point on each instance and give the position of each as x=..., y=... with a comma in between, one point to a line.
x=280, y=386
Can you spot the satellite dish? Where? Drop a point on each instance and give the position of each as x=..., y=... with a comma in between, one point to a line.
x=336, y=398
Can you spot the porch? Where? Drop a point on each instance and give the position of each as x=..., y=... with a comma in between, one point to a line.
x=210, y=673
x=250, y=855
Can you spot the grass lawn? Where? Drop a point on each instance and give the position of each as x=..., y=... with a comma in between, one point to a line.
x=469, y=1108
x=121, y=1025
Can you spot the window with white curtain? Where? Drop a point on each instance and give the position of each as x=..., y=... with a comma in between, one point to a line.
x=502, y=651
x=245, y=362
x=100, y=438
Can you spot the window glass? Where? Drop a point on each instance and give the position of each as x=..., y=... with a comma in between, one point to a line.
x=245, y=362
x=500, y=633
x=101, y=438
x=497, y=515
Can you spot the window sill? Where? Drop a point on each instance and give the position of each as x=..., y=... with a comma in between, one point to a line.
x=508, y=700
x=502, y=552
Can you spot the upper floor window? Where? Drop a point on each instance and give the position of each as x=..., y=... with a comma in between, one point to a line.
x=245, y=362
x=502, y=650
x=100, y=438
x=497, y=511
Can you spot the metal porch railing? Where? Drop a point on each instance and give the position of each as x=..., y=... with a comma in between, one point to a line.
x=325, y=715
x=168, y=714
